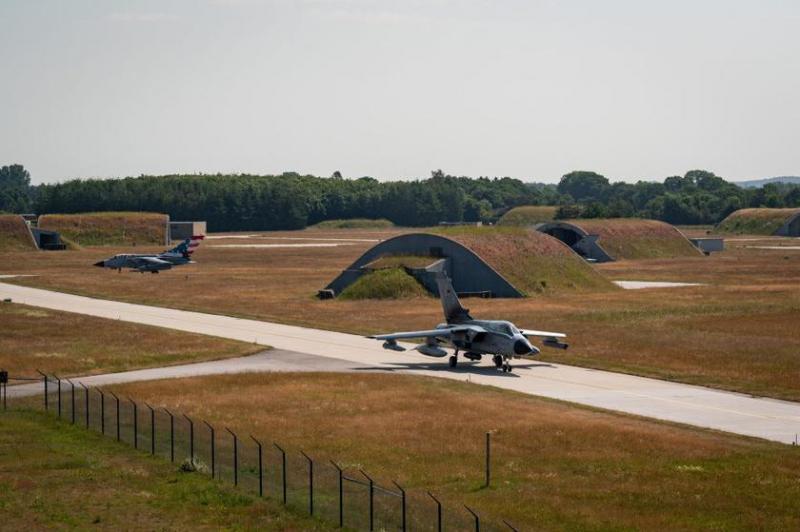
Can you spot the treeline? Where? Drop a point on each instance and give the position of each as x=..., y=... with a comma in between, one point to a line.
x=294, y=201
x=699, y=197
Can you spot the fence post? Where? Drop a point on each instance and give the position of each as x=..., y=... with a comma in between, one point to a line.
x=44, y=376
x=403, y=502
x=118, y=429
x=72, y=384
x=488, y=458
x=235, y=457
x=438, y=511
x=86, y=395
x=283, y=460
x=509, y=525
x=213, y=464
x=171, y=435
x=260, y=468
x=310, y=483
x=59, y=395
x=152, y=429
x=135, y=423
x=341, y=494
x=102, y=411
x=191, y=436
x=477, y=519
x=371, y=501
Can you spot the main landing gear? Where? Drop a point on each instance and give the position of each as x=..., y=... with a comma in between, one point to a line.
x=454, y=359
x=502, y=362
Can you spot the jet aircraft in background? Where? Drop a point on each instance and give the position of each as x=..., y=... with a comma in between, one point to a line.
x=154, y=263
x=501, y=339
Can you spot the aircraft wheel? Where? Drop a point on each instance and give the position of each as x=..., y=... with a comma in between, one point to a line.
x=509, y=368
x=453, y=361
x=498, y=361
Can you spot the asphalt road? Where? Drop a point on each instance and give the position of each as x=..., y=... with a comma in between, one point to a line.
x=332, y=351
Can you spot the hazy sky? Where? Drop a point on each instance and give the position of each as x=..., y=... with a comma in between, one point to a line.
x=393, y=89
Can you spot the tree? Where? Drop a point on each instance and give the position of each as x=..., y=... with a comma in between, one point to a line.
x=15, y=189
x=583, y=185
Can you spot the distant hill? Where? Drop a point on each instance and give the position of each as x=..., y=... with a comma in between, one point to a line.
x=792, y=179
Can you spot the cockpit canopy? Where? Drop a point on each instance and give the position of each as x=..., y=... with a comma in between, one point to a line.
x=502, y=327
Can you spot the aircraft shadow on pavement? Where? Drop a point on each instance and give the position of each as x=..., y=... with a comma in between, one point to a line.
x=465, y=368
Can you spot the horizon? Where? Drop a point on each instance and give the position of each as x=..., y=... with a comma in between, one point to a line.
x=391, y=88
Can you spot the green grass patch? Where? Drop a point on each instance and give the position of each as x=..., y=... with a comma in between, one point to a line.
x=388, y=283
x=354, y=223
x=59, y=477
x=528, y=215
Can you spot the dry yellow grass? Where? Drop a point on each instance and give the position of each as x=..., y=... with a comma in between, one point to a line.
x=109, y=228
x=556, y=467
x=71, y=344
x=693, y=334
x=14, y=234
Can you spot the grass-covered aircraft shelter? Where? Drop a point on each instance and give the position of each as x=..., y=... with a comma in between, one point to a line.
x=604, y=240
x=486, y=262
x=777, y=222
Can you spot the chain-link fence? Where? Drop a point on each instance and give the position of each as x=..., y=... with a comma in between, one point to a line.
x=321, y=488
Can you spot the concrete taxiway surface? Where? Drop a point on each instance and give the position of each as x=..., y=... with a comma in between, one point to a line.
x=638, y=285
x=314, y=245
x=764, y=418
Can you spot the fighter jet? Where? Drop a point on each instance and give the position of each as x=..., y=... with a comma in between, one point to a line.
x=154, y=263
x=501, y=339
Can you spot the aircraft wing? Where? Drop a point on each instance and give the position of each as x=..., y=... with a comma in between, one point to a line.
x=529, y=332
x=447, y=331
x=550, y=338
x=147, y=261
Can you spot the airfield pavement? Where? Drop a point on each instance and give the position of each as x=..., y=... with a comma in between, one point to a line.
x=319, y=350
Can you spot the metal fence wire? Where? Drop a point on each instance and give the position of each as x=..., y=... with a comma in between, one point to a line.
x=306, y=484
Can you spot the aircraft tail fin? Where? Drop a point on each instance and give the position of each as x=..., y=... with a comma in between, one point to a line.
x=194, y=243
x=453, y=311
x=180, y=248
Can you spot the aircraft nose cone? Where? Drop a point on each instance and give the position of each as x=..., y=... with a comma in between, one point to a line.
x=101, y=264
x=524, y=347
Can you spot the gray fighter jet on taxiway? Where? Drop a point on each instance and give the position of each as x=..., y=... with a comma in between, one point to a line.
x=154, y=263
x=501, y=339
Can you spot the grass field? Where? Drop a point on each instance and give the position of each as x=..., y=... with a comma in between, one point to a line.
x=59, y=477
x=109, y=228
x=555, y=466
x=72, y=345
x=738, y=333
x=755, y=221
x=528, y=215
x=14, y=234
